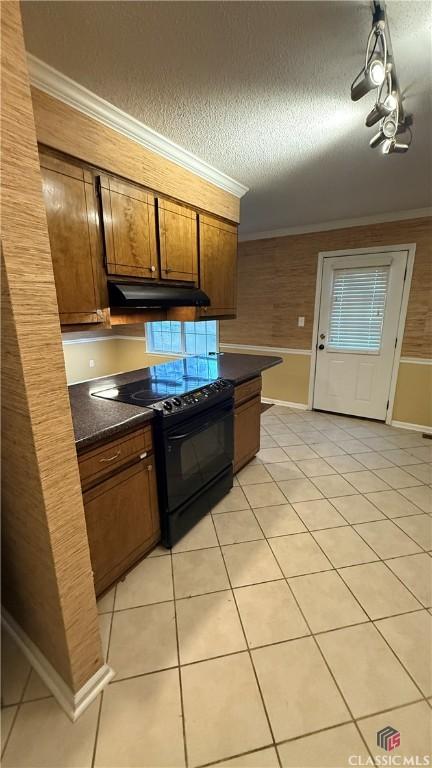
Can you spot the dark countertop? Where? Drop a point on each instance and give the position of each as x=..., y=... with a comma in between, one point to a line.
x=96, y=420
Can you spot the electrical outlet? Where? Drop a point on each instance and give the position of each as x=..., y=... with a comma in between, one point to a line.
x=300, y=322
x=91, y=363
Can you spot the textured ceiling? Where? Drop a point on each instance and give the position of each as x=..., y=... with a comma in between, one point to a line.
x=258, y=89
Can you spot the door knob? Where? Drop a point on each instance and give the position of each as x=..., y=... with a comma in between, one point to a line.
x=321, y=346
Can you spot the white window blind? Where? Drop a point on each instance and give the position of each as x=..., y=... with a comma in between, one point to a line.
x=357, y=308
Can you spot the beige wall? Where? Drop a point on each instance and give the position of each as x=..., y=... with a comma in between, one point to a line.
x=112, y=355
x=290, y=382
x=413, y=401
x=276, y=285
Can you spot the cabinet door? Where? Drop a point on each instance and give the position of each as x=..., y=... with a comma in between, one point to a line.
x=122, y=521
x=246, y=432
x=178, y=237
x=218, y=266
x=72, y=219
x=129, y=229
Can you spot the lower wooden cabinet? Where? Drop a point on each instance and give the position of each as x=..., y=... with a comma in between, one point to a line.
x=122, y=518
x=247, y=417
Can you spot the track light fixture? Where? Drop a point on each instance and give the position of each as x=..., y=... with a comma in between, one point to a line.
x=379, y=74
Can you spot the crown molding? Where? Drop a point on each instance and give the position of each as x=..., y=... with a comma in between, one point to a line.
x=60, y=86
x=416, y=213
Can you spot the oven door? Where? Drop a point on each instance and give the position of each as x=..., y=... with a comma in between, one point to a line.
x=197, y=451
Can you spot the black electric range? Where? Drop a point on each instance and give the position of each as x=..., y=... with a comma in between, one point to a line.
x=194, y=438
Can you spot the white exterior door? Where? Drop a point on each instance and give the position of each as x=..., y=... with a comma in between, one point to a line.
x=360, y=306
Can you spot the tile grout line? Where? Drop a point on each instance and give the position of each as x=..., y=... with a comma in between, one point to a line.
x=324, y=659
x=103, y=691
x=179, y=665
x=18, y=708
x=266, y=645
x=247, y=649
x=370, y=621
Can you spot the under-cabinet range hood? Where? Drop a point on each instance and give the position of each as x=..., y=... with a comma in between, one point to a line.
x=139, y=296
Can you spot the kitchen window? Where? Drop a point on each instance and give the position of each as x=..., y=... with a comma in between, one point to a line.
x=174, y=337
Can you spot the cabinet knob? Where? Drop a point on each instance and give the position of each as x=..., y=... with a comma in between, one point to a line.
x=152, y=268
x=150, y=468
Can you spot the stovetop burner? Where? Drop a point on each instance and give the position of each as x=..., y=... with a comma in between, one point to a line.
x=181, y=385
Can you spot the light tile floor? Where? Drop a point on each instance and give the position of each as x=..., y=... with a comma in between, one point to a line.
x=287, y=628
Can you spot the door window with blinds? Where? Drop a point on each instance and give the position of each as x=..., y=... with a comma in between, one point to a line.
x=357, y=309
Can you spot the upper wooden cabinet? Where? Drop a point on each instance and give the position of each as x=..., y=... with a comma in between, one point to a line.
x=101, y=226
x=218, y=265
x=73, y=228
x=129, y=229
x=178, y=237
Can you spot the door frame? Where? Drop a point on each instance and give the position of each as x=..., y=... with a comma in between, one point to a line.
x=410, y=248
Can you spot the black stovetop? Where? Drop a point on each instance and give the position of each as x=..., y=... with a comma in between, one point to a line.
x=173, y=379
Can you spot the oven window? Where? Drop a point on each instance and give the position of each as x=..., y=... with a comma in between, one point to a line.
x=196, y=453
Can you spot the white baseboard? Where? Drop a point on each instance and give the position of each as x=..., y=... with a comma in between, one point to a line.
x=414, y=427
x=300, y=406
x=72, y=703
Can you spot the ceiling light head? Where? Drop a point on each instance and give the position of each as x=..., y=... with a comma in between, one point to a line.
x=387, y=131
x=390, y=126
x=391, y=146
x=377, y=139
x=373, y=76
x=381, y=109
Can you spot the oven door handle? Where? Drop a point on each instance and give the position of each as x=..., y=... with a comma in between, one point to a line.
x=191, y=433
x=204, y=426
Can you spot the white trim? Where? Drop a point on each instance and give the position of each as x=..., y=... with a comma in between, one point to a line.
x=129, y=338
x=285, y=403
x=410, y=248
x=279, y=350
x=415, y=427
x=415, y=360
x=66, y=342
x=415, y=213
x=181, y=355
x=72, y=703
x=68, y=91
x=92, y=340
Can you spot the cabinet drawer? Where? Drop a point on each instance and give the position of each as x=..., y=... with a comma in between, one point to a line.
x=104, y=460
x=247, y=390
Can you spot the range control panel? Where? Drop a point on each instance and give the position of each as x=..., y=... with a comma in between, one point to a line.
x=180, y=403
